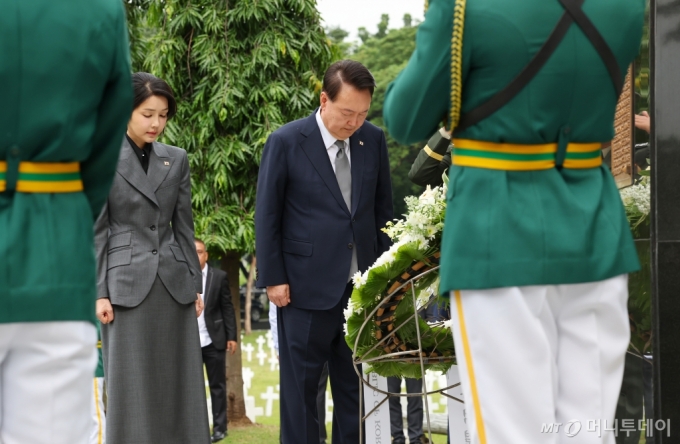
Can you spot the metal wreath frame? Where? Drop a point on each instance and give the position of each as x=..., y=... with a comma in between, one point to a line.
x=359, y=360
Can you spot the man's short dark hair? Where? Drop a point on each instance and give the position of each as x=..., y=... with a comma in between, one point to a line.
x=349, y=72
x=199, y=240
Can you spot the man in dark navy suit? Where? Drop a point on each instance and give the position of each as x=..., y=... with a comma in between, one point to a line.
x=323, y=195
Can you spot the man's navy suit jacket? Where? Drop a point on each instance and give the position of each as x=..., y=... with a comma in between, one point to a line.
x=304, y=231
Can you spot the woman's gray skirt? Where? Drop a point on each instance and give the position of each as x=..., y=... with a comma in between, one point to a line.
x=154, y=373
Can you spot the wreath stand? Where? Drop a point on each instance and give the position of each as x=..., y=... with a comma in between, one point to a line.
x=409, y=356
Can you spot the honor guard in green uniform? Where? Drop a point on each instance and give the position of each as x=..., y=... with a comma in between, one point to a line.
x=433, y=160
x=65, y=95
x=536, y=246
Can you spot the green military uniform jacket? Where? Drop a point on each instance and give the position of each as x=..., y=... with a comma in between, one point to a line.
x=66, y=96
x=515, y=228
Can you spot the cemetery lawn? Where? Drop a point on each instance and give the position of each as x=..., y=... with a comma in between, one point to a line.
x=264, y=382
x=255, y=434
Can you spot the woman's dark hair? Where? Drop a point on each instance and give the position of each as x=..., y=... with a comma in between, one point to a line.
x=349, y=72
x=146, y=85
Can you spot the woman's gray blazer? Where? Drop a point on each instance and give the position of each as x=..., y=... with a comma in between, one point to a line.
x=146, y=228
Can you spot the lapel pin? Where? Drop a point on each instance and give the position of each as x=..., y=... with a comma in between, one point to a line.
x=167, y=163
x=361, y=142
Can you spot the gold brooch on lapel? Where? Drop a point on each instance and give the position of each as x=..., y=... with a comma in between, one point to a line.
x=166, y=163
x=361, y=142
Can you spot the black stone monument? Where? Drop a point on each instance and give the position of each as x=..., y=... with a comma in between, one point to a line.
x=665, y=220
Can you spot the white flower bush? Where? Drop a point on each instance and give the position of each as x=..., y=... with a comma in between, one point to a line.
x=421, y=225
x=424, y=218
x=637, y=202
x=416, y=240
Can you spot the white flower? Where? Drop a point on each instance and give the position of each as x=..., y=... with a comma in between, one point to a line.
x=429, y=196
x=385, y=258
x=349, y=311
x=359, y=279
x=636, y=199
x=431, y=230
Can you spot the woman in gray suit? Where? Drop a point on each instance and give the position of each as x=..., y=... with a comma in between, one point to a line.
x=149, y=282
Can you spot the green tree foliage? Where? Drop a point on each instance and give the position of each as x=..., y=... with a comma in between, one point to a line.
x=337, y=34
x=382, y=26
x=240, y=69
x=340, y=47
x=364, y=35
x=385, y=57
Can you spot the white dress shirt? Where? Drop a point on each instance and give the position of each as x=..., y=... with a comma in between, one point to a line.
x=202, y=329
x=329, y=142
x=273, y=324
x=332, y=149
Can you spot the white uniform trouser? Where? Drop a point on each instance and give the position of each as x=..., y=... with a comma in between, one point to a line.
x=98, y=423
x=538, y=355
x=46, y=371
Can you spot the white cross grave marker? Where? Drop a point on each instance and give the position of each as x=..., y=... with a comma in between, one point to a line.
x=270, y=397
x=252, y=412
x=247, y=375
x=249, y=349
x=273, y=362
x=261, y=355
x=260, y=342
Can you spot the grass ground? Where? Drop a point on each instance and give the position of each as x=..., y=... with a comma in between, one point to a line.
x=258, y=358
x=255, y=434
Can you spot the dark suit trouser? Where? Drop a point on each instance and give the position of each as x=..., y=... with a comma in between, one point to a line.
x=321, y=404
x=414, y=410
x=215, y=361
x=308, y=339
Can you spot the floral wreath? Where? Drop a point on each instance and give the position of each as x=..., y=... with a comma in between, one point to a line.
x=385, y=292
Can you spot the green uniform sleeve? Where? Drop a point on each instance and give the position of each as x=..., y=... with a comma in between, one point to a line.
x=418, y=100
x=113, y=113
x=432, y=161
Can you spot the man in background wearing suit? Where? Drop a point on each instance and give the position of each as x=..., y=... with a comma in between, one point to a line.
x=323, y=194
x=217, y=331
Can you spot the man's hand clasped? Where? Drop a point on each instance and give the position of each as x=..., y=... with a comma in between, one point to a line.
x=279, y=295
x=232, y=346
x=199, y=304
x=104, y=311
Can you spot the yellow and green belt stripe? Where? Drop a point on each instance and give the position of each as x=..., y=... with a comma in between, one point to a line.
x=44, y=177
x=518, y=157
x=3, y=176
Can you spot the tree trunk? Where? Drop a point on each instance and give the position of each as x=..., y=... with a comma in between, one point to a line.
x=249, y=296
x=236, y=406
